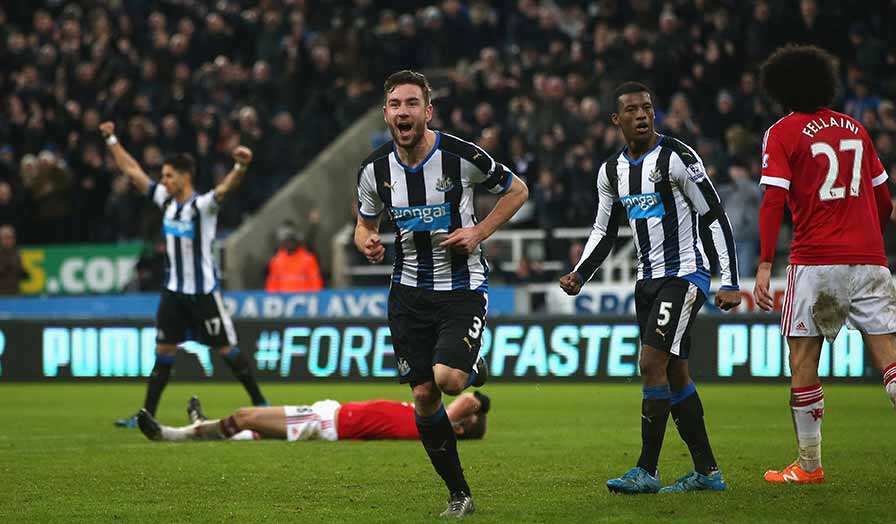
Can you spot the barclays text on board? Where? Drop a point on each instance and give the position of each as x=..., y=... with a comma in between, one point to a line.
x=572, y=348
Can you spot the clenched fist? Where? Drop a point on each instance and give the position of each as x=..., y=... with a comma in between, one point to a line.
x=571, y=283
x=242, y=155
x=107, y=129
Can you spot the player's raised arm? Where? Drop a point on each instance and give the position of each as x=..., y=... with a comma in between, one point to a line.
x=123, y=159
x=242, y=157
x=602, y=238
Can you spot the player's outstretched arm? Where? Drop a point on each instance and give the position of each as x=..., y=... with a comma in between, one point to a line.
x=465, y=239
x=242, y=157
x=367, y=239
x=123, y=159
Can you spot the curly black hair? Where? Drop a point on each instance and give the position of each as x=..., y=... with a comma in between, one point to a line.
x=802, y=78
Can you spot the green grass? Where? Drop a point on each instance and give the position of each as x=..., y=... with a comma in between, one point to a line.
x=546, y=457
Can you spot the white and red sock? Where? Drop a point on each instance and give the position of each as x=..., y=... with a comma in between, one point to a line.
x=890, y=382
x=807, y=405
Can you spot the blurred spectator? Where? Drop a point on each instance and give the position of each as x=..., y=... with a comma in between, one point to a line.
x=12, y=211
x=293, y=269
x=49, y=185
x=741, y=197
x=151, y=266
x=11, y=270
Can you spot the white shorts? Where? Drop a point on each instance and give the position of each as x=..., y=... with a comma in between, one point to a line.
x=314, y=422
x=820, y=299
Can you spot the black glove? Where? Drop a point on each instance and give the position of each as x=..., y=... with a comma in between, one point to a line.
x=484, y=400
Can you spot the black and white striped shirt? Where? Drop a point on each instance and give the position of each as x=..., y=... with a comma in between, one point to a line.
x=662, y=193
x=189, y=231
x=426, y=204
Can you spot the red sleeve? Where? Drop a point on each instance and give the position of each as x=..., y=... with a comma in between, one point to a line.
x=771, y=212
x=884, y=205
x=775, y=162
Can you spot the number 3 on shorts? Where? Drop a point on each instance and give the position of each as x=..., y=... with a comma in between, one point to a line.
x=664, y=313
x=476, y=329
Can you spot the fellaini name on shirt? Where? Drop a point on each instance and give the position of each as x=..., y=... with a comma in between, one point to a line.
x=816, y=125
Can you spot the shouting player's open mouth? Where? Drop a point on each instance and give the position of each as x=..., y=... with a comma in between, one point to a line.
x=405, y=130
x=642, y=128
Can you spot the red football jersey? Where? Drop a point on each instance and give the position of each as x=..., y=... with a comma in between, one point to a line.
x=827, y=163
x=377, y=419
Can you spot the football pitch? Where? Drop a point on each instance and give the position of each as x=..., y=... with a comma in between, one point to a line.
x=548, y=451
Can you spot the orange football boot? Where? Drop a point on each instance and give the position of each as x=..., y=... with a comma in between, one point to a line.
x=794, y=474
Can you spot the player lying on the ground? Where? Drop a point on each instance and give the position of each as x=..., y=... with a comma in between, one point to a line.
x=323, y=420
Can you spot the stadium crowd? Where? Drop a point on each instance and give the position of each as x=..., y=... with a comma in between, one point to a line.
x=529, y=81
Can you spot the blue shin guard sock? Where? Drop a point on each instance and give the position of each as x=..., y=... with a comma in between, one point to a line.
x=654, y=414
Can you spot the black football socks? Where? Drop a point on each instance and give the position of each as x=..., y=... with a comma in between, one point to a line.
x=654, y=414
x=440, y=444
x=687, y=412
x=161, y=371
x=241, y=365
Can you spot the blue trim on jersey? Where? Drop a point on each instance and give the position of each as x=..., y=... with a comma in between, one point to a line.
x=730, y=288
x=657, y=392
x=680, y=395
x=699, y=278
x=652, y=149
x=432, y=151
x=507, y=184
x=152, y=188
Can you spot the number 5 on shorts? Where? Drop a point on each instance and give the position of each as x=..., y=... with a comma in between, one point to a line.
x=664, y=314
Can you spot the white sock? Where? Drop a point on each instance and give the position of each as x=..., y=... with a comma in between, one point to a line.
x=807, y=406
x=181, y=433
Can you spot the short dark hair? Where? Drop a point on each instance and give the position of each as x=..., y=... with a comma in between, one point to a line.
x=406, y=76
x=802, y=78
x=181, y=162
x=477, y=429
x=630, y=87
